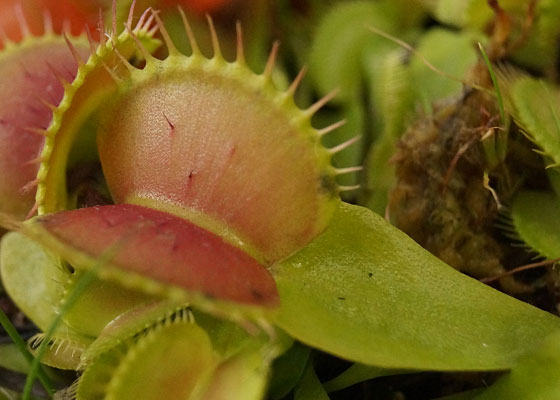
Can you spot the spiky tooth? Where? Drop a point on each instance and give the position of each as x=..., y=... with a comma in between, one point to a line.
x=66, y=27
x=271, y=62
x=215, y=41
x=190, y=35
x=47, y=22
x=29, y=186
x=37, y=131
x=342, y=188
x=101, y=29
x=113, y=75
x=22, y=21
x=297, y=81
x=240, y=60
x=92, y=44
x=74, y=52
x=332, y=127
x=320, y=103
x=167, y=39
x=145, y=53
x=47, y=103
x=124, y=60
x=348, y=170
x=131, y=14
x=141, y=24
x=344, y=145
x=115, y=31
x=32, y=211
x=34, y=161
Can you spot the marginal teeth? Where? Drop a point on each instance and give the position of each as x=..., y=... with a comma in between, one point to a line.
x=23, y=25
x=190, y=35
x=331, y=127
x=168, y=42
x=240, y=52
x=123, y=59
x=271, y=62
x=74, y=52
x=145, y=53
x=37, y=131
x=47, y=22
x=113, y=75
x=215, y=41
x=343, y=171
x=293, y=87
x=320, y=103
x=344, y=145
x=348, y=188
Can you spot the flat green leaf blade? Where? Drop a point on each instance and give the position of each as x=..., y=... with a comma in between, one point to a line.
x=358, y=373
x=452, y=53
x=242, y=377
x=536, y=110
x=342, y=39
x=536, y=377
x=310, y=387
x=12, y=359
x=365, y=291
x=536, y=218
x=288, y=370
x=32, y=277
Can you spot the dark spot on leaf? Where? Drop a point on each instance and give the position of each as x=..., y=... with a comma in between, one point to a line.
x=327, y=184
x=256, y=294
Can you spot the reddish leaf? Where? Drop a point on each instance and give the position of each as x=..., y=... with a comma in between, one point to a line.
x=165, y=248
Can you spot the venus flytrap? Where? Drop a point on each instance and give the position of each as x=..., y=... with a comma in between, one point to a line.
x=224, y=201
x=534, y=106
x=346, y=56
x=30, y=92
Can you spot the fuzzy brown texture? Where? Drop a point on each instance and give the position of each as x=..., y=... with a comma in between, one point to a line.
x=439, y=198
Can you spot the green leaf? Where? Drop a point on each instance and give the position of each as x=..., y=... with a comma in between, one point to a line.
x=287, y=370
x=365, y=291
x=170, y=362
x=452, y=53
x=536, y=377
x=11, y=358
x=536, y=108
x=233, y=365
x=34, y=279
x=39, y=284
x=342, y=39
x=474, y=13
x=392, y=94
x=310, y=387
x=241, y=377
x=358, y=373
x=391, y=90
x=536, y=218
